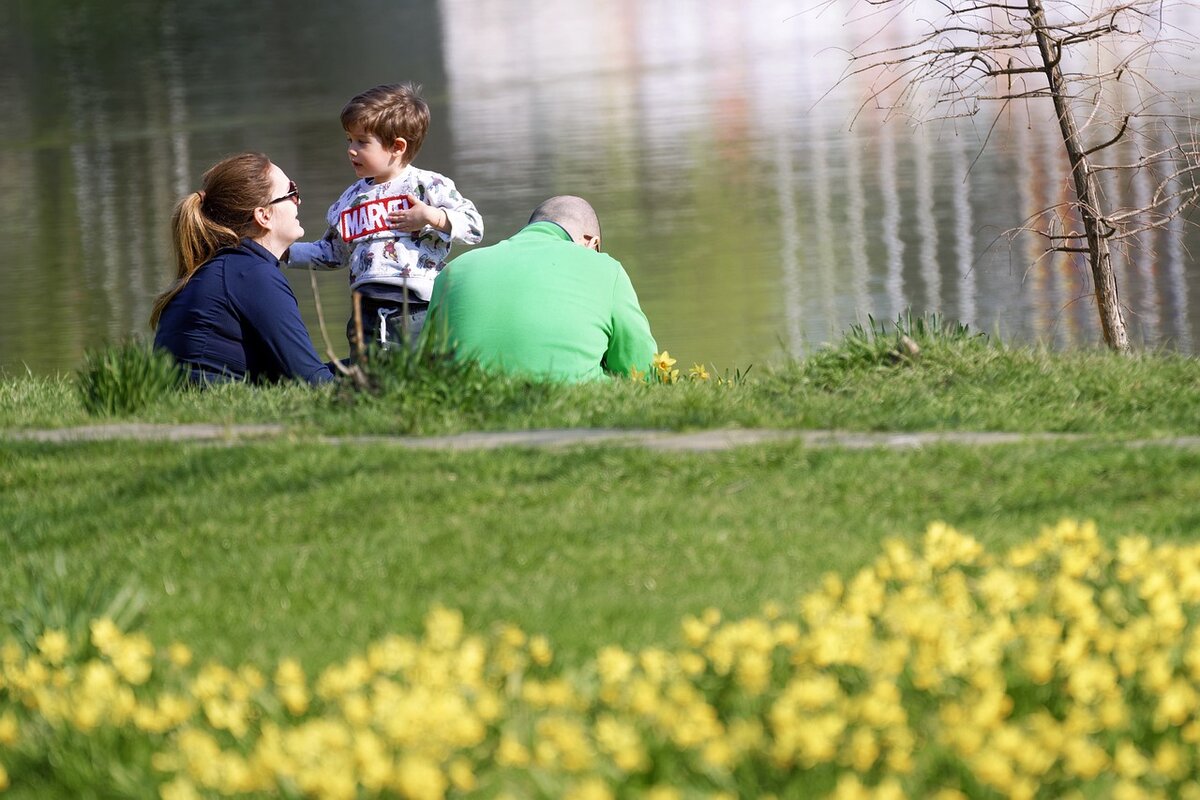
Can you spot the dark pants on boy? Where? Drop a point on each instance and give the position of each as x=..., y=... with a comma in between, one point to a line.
x=391, y=315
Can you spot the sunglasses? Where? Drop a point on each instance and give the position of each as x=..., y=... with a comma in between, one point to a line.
x=293, y=194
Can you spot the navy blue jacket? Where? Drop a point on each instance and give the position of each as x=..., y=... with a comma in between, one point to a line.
x=238, y=318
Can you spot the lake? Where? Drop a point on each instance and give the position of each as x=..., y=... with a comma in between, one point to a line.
x=713, y=138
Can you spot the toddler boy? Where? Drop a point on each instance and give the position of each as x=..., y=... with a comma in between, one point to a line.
x=393, y=227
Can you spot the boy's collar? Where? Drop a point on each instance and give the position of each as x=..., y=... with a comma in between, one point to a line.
x=371, y=181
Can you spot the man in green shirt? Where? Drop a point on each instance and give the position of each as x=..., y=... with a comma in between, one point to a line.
x=545, y=302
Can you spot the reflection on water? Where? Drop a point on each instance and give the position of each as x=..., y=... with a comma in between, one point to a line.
x=751, y=216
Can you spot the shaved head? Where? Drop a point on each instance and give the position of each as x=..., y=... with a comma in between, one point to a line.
x=573, y=214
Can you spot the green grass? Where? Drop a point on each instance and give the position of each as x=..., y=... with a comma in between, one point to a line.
x=916, y=374
x=259, y=550
x=127, y=378
x=293, y=547
x=263, y=550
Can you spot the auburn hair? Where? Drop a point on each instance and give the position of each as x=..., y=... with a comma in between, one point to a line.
x=220, y=215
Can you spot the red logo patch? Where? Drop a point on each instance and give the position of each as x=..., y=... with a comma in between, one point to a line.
x=371, y=217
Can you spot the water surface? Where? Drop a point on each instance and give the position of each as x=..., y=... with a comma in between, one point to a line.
x=753, y=219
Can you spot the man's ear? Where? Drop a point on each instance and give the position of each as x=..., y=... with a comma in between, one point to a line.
x=399, y=147
x=591, y=242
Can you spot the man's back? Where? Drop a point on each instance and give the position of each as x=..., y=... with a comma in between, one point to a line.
x=539, y=304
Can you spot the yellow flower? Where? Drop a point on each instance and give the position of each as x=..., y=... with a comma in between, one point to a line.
x=614, y=664
x=662, y=361
x=636, y=374
x=443, y=628
x=1129, y=762
x=179, y=789
x=1171, y=760
x=695, y=632
x=540, y=651
x=179, y=654
x=131, y=657
x=698, y=373
x=9, y=729
x=590, y=789
x=461, y=775
x=54, y=645
x=511, y=753
x=663, y=793
x=420, y=778
x=105, y=634
x=621, y=741
x=291, y=687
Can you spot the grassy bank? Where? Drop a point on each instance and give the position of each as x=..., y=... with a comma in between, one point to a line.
x=259, y=551
x=916, y=375
x=309, y=555
x=295, y=552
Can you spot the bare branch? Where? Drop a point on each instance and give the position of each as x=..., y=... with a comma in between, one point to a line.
x=1112, y=141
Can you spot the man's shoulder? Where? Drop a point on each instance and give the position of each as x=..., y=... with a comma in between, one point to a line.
x=537, y=250
x=602, y=263
x=608, y=261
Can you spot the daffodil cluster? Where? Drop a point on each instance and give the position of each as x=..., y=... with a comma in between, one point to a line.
x=1063, y=668
x=662, y=370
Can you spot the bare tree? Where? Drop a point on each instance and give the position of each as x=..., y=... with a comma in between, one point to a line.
x=1097, y=62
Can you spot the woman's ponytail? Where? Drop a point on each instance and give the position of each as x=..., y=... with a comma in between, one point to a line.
x=219, y=215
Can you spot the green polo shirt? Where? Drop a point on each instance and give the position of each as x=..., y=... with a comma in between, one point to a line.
x=539, y=304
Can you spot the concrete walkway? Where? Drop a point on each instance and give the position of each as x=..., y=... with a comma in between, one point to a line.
x=696, y=441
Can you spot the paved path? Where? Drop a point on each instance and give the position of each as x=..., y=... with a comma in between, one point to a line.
x=696, y=441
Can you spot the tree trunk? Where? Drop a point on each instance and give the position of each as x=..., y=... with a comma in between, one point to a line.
x=1086, y=191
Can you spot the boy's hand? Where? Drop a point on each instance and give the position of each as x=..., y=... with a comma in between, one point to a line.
x=417, y=216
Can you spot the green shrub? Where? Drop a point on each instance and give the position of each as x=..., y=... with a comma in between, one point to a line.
x=125, y=378
x=883, y=345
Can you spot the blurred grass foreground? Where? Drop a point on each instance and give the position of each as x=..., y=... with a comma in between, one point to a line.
x=1063, y=667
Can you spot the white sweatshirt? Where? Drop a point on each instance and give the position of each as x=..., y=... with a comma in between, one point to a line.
x=359, y=236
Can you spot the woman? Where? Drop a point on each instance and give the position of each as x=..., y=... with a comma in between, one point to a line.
x=231, y=315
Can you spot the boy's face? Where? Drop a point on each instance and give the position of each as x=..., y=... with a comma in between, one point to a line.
x=372, y=158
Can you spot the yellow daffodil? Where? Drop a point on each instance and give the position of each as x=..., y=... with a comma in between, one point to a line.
x=54, y=645
x=662, y=361
x=540, y=651
x=9, y=729
x=979, y=641
x=698, y=372
x=179, y=654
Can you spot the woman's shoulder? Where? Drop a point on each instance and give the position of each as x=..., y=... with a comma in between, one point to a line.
x=249, y=263
x=246, y=252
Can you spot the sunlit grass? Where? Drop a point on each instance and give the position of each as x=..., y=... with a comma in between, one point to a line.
x=262, y=549
x=916, y=374
x=299, y=558
x=1061, y=667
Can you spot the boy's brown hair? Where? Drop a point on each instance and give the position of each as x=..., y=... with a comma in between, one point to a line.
x=390, y=111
